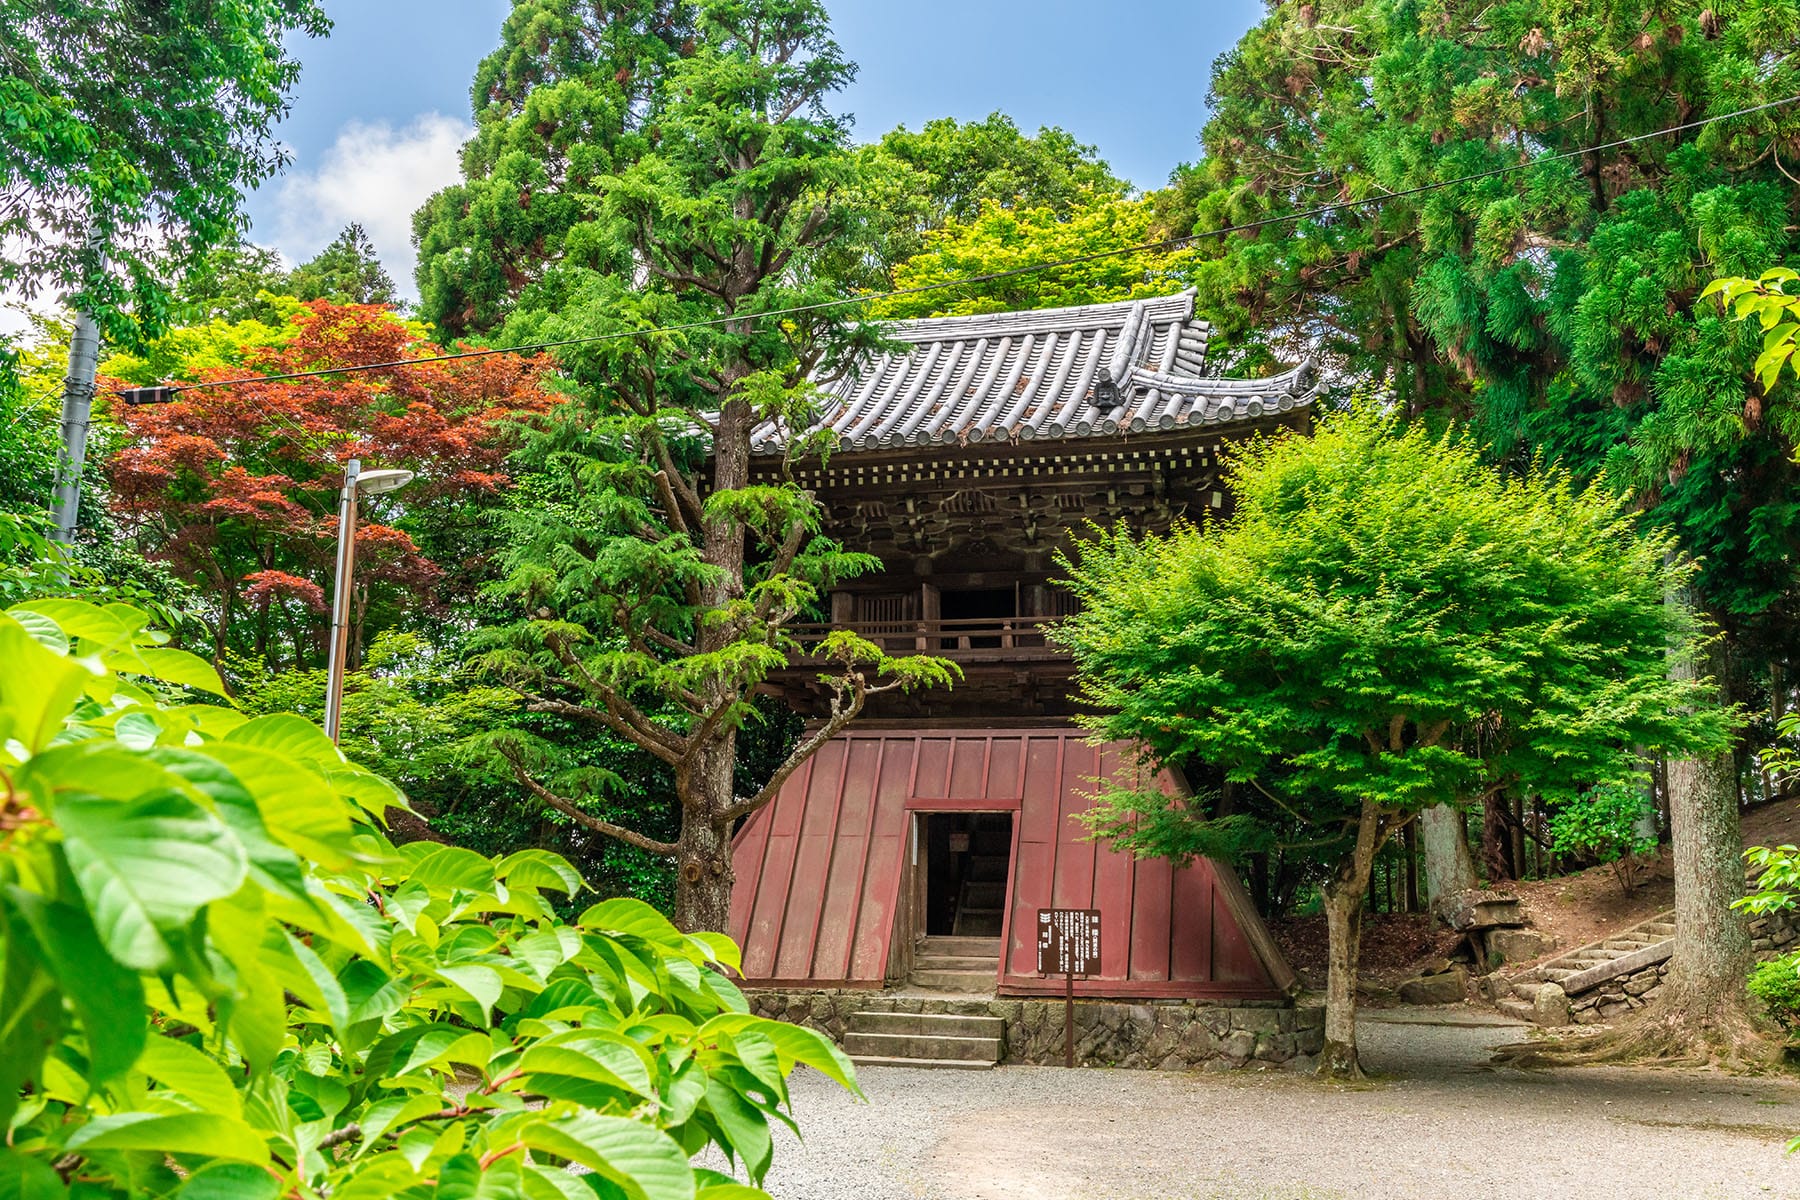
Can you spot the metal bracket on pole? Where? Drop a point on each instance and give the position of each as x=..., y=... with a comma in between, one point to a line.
x=340, y=600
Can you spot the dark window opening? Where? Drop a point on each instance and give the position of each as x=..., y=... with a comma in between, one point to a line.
x=967, y=856
x=986, y=605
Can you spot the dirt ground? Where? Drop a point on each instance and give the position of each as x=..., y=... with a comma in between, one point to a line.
x=1395, y=946
x=1439, y=1123
x=1575, y=909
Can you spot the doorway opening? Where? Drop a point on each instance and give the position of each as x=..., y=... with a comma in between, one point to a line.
x=976, y=604
x=967, y=858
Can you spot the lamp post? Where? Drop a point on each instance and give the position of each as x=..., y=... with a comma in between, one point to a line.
x=357, y=482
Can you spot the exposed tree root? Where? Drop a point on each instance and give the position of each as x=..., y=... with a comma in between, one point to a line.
x=1722, y=1036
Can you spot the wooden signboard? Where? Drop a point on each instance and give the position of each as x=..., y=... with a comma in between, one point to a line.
x=1068, y=941
x=1068, y=945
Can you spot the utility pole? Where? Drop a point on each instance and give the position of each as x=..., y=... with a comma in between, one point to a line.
x=77, y=411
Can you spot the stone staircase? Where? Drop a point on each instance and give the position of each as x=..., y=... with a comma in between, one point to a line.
x=964, y=965
x=1584, y=970
x=946, y=1041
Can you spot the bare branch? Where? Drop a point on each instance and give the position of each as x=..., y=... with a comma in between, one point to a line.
x=690, y=507
x=842, y=713
x=630, y=837
x=670, y=504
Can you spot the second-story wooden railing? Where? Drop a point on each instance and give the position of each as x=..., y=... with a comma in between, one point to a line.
x=996, y=637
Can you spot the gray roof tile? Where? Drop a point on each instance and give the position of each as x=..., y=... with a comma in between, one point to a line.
x=1097, y=370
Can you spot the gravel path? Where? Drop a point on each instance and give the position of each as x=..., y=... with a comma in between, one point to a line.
x=1439, y=1123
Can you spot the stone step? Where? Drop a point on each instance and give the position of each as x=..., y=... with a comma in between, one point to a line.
x=927, y=1024
x=1657, y=929
x=926, y=1064
x=1526, y=989
x=956, y=981
x=1624, y=964
x=915, y=1045
x=956, y=962
x=1627, y=943
x=1522, y=1009
x=985, y=947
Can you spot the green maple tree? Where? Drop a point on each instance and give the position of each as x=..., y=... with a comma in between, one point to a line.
x=1554, y=306
x=1384, y=624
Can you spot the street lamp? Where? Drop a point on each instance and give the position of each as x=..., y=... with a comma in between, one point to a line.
x=357, y=482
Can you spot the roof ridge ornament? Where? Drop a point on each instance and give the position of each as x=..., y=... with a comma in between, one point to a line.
x=1124, y=354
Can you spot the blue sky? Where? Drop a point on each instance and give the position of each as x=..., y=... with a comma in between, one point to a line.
x=383, y=103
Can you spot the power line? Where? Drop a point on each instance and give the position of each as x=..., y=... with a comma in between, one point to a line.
x=135, y=395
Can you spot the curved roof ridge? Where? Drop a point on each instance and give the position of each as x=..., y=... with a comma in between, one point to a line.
x=1176, y=307
x=1300, y=376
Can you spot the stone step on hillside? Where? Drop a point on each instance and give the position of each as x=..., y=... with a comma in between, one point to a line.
x=943, y=1041
x=1521, y=1010
x=1585, y=968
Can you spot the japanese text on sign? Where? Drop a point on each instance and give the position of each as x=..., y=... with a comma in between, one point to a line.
x=1068, y=941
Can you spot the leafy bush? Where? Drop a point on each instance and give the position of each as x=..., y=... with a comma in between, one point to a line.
x=1612, y=824
x=1777, y=984
x=1776, y=871
x=218, y=979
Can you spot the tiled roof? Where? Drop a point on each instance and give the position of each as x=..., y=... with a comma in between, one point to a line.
x=1093, y=371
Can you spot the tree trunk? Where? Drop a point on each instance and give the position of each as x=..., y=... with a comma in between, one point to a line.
x=1449, y=867
x=703, y=874
x=1343, y=895
x=1496, y=840
x=1703, y=1000
x=703, y=863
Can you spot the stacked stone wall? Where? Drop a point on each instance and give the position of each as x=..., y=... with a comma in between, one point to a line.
x=1172, y=1035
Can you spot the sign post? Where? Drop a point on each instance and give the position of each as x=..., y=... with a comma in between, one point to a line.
x=1068, y=945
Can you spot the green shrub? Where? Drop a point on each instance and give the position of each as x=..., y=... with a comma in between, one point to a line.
x=1611, y=824
x=1777, y=984
x=217, y=978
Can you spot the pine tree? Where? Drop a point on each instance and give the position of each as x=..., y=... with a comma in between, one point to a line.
x=348, y=271
x=655, y=568
x=563, y=103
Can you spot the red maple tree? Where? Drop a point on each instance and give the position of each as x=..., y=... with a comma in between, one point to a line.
x=236, y=487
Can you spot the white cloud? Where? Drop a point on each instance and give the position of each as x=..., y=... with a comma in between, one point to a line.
x=374, y=174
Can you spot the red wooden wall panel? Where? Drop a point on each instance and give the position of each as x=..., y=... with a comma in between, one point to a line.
x=819, y=872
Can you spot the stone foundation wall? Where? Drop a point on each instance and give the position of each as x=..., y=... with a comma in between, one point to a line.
x=1166, y=1035
x=1770, y=936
